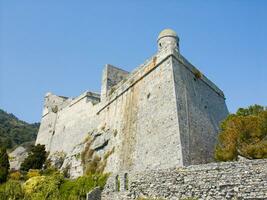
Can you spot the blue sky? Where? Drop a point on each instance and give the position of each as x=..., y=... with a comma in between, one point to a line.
x=62, y=46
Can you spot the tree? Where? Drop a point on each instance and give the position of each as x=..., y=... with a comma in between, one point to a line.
x=35, y=159
x=4, y=165
x=251, y=110
x=244, y=134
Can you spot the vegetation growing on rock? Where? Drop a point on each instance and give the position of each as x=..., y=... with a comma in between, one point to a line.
x=91, y=161
x=243, y=134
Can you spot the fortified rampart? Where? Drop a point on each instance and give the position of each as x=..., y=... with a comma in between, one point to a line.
x=164, y=114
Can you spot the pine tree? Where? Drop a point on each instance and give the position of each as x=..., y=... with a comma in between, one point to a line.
x=4, y=165
x=35, y=159
x=243, y=134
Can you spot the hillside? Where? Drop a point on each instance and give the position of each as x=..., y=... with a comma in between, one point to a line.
x=15, y=132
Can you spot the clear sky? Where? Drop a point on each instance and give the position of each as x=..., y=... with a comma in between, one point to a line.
x=62, y=46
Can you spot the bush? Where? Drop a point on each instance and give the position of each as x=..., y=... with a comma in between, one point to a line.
x=15, y=175
x=11, y=190
x=50, y=171
x=4, y=165
x=244, y=134
x=33, y=173
x=51, y=187
x=35, y=159
x=77, y=189
x=43, y=187
x=30, y=185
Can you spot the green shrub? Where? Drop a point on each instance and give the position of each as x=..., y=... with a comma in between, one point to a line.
x=50, y=171
x=11, y=190
x=32, y=173
x=77, y=189
x=52, y=186
x=4, y=165
x=15, y=176
x=35, y=159
x=43, y=187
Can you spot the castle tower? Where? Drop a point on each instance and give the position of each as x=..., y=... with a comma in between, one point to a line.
x=168, y=39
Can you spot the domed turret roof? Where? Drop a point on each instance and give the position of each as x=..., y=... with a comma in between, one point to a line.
x=167, y=32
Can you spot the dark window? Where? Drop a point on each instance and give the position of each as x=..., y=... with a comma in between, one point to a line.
x=126, y=182
x=117, y=183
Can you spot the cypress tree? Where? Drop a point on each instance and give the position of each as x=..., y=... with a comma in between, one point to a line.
x=4, y=165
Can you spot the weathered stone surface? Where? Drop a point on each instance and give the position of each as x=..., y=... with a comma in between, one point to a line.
x=72, y=164
x=100, y=142
x=57, y=159
x=229, y=180
x=16, y=157
x=95, y=194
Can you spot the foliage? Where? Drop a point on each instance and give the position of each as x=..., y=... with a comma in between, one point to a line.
x=244, y=134
x=11, y=190
x=251, y=110
x=43, y=187
x=197, y=74
x=49, y=171
x=77, y=189
x=15, y=175
x=33, y=173
x=35, y=159
x=55, y=187
x=15, y=132
x=52, y=187
x=4, y=165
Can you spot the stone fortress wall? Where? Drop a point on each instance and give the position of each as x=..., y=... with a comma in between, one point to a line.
x=228, y=180
x=162, y=115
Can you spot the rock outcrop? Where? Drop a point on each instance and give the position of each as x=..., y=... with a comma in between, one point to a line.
x=16, y=157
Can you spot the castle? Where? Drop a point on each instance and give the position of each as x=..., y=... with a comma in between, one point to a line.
x=164, y=114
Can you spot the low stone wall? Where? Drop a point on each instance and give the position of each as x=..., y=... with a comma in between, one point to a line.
x=229, y=180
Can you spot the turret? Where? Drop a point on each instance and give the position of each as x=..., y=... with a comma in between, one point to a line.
x=168, y=39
